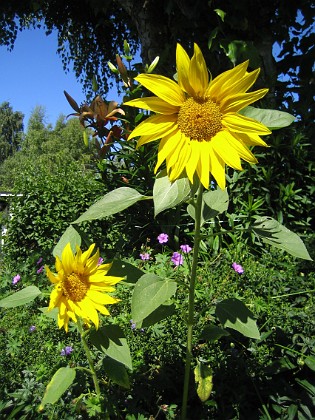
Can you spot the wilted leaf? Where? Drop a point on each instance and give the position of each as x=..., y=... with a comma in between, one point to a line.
x=203, y=376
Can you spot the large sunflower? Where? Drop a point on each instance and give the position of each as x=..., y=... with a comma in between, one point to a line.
x=198, y=122
x=79, y=285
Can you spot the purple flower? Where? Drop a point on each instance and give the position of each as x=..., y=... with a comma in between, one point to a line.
x=32, y=328
x=66, y=351
x=145, y=256
x=185, y=248
x=133, y=325
x=40, y=269
x=100, y=261
x=177, y=258
x=16, y=279
x=39, y=261
x=238, y=268
x=162, y=238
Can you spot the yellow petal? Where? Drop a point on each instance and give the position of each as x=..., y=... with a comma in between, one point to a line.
x=237, y=102
x=156, y=125
x=204, y=172
x=223, y=148
x=102, y=309
x=89, y=311
x=198, y=73
x=154, y=104
x=240, y=85
x=147, y=139
x=166, y=147
x=55, y=298
x=240, y=124
x=251, y=139
x=52, y=277
x=229, y=76
x=100, y=298
x=193, y=160
x=217, y=168
x=67, y=259
x=163, y=87
x=182, y=64
x=180, y=164
x=236, y=142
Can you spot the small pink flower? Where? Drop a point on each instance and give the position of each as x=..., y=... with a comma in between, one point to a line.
x=145, y=256
x=238, y=268
x=100, y=261
x=185, y=248
x=32, y=328
x=162, y=238
x=39, y=261
x=40, y=269
x=16, y=279
x=177, y=258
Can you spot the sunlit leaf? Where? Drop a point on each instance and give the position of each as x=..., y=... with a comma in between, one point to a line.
x=203, y=376
x=272, y=232
x=111, y=340
x=232, y=313
x=168, y=194
x=70, y=235
x=59, y=383
x=113, y=202
x=271, y=118
x=26, y=295
x=213, y=203
x=149, y=293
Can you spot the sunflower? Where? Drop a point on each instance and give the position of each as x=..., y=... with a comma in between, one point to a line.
x=79, y=285
x=198, y=121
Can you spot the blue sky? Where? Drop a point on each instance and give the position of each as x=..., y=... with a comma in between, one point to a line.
x=32, y=74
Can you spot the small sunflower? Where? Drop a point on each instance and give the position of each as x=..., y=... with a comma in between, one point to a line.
x=198, y=121
x=80, y=284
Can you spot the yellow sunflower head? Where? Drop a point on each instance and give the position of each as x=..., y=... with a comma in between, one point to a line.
x=81, y=286
x=198, y=119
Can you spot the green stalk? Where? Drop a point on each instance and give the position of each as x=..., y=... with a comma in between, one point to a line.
x=191, y=300
x=90, y=360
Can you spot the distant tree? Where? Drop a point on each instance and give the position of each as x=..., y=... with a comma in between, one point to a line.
x=11, y=130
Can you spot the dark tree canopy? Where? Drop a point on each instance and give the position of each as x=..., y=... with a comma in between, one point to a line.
x=91, y=32
x=11, y=130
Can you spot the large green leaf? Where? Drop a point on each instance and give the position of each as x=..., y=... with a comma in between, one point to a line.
x=58, y=384
x=168, y=194
x=111, y=341
x=149, y=293
x=158, y=315
x=213, y=333
x=121, y=268
x=70, y=235
x=272, y=232
x=116, y=372
x=232, y=313
x=203, y=376
x=26, y=295
x=213, y=203
x=271, y=118
x=113, y=202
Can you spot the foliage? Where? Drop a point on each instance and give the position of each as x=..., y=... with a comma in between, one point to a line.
x=11, y=130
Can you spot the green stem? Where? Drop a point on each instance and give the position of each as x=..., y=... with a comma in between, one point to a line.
x=191, y=300
x=90, y=360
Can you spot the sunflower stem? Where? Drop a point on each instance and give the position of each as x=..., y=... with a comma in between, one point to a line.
x=89, y=358
x=191, y=300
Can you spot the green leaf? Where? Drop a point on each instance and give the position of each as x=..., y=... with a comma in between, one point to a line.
x=158, y=315
x=214, y=202
x=271, y=118
x=121, y=268
x=220, y=13
x=59, y=383
x=213, y=333
x=70, y=235
x=111, y=341
x=310, y=362
x=203, y=376
x=113, y=202
x=232, y=313
x=168, y=194
x=116, y=372
x=273, y=233
x=53, y=313
x=149, y=293
x=308, y=386
x=26, y=295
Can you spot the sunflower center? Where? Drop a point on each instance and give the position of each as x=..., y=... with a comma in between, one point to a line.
x=199, y=119
x=75, y=287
